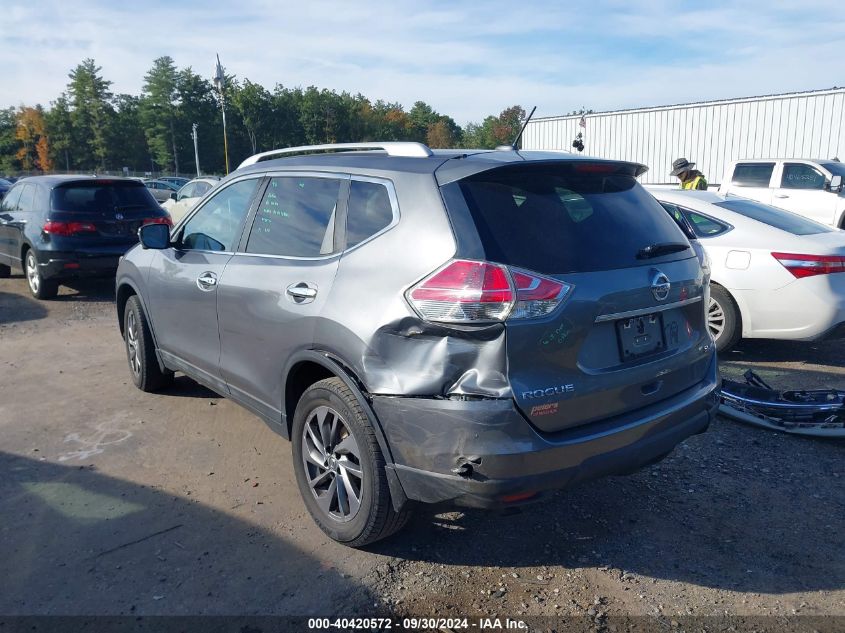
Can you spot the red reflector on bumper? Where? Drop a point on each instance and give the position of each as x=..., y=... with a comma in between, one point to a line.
x=72, y=265
x=520, y=496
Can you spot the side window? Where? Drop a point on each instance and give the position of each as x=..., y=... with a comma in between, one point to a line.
x=801, y=176
x=369, y=211
x=187, y=191
x=27, y=200
x=680, y=219
x=753, y=174
x=10, y=202
x=296, y=218
x=216, y=226
x=200, y=189
x=704, y=226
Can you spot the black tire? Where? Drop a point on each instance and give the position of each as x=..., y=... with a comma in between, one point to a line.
x=723, y=318
x=140, y=349
x=39, y=287
x=375, y=517
x=5, y=271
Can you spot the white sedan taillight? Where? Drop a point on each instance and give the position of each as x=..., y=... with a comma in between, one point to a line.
x=808, y=265
x=465, y=291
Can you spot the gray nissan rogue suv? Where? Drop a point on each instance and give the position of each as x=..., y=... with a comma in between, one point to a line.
x=472, y=327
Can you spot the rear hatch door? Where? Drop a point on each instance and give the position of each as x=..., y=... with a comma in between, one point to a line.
x=631, y=330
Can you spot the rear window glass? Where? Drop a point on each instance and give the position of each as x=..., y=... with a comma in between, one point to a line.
x=96, y=197
x=778, y=218
x=560, y=219
x=753, y=174
x=369, y=211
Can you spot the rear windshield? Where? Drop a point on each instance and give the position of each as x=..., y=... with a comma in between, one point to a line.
x=566, y=218
x=778, y=218
x=96, y=197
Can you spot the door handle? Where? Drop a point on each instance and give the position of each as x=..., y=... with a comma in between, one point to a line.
x=781, y=195
x=301, y=292
x=207, y=281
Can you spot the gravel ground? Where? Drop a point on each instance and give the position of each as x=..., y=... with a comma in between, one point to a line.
x=119, y=502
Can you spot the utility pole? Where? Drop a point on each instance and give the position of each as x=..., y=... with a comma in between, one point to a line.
x=196, y=147
x=219, y=82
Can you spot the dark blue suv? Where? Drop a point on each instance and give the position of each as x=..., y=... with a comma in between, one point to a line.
x=63, y=227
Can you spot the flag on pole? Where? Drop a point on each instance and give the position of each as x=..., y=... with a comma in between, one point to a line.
x=583, y=122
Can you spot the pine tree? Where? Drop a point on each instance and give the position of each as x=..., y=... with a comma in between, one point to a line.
x=159, y=112
x=91, y=115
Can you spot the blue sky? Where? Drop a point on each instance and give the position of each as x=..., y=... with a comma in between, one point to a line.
x=467, y=59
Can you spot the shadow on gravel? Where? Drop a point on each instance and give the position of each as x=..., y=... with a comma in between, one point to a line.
x=737, y=509
x=185, y=387
x=15, y=308
x=87, y=290
x=77, y=542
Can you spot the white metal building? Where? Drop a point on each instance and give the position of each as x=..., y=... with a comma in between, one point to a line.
x=710, y=133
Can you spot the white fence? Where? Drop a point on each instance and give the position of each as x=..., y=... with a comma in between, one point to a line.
x=711, y=133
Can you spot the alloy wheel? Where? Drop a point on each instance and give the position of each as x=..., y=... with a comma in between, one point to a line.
x=332, y=462
x=132, y=343
x=716, y=318
x=32, y=273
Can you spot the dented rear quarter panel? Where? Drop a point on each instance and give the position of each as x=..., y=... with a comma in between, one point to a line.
x=388, y=347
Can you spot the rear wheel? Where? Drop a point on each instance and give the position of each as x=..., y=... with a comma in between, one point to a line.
x=140, y=349
x=339, y=467
x=39, y=287
x=723, y=318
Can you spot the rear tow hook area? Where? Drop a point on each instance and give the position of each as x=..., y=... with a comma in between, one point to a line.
x=818, y=412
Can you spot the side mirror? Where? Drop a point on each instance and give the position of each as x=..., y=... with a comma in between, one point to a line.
x=173, y=196
x=836, y=184
x=155, y=236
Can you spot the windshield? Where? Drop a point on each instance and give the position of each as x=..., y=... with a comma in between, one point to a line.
x=777, y=218
x=569, y=219
x=837, y=169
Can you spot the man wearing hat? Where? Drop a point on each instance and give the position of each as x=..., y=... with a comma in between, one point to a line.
x=690, y=178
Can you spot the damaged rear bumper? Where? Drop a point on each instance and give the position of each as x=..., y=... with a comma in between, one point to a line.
x=504, y=460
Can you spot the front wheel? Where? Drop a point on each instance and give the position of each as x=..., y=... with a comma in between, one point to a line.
x=723, y=319
x=339, y=466
x=140, y=349
x=39, y=287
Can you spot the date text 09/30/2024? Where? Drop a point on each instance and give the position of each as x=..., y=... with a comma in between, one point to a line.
x=416, y=624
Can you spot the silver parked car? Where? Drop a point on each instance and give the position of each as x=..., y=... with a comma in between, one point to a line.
x=474, y=327
x=161, y=190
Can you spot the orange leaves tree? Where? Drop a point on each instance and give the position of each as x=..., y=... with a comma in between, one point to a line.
x=31, y=133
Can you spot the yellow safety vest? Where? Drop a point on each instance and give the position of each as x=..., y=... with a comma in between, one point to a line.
x=693, y=184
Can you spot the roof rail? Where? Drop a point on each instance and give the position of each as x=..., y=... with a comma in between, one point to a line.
x=408, y=149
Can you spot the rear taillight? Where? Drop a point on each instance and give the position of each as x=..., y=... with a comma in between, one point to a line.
x=465, y=291
x=165, y=220
x=808, y=265
x=66, y=229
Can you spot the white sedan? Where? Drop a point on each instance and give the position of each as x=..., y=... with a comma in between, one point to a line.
x=774, y=275
x=188, y=196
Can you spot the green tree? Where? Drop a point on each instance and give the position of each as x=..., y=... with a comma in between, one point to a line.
x=91, y=115
x=159, y=112
x=8, y=142
x=198, y=104
x=132, y=150
x=60, y=131
x=254, y=104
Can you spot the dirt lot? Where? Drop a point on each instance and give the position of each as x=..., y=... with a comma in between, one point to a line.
x=118, y=502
